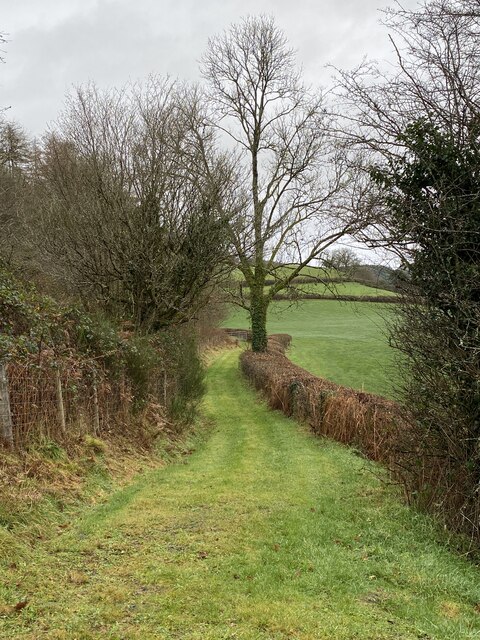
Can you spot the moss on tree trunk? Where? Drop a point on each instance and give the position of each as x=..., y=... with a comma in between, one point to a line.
x=258, y=315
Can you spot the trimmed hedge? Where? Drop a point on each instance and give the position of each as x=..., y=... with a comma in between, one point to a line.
x=368, y=422
x=342, y=298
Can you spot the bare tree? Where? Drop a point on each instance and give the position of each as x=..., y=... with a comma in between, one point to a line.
x=290, y=168
x=130, y=218
x=15, y=158
x=344, y=260
x=15, y=147
x=436, y=79
x=6, y=434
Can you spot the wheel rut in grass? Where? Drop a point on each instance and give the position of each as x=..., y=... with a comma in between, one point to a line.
x=264, y=532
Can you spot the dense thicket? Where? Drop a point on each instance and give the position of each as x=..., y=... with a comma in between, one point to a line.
x=419, y=131
x=440, y=338
x=129, y=215
x=111, y=378
x=119, y=216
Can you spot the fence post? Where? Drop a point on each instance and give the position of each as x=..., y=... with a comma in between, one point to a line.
x=60, y=405
x=165, y=388
x=96, y=413
x=122, y=394
x=6, y=424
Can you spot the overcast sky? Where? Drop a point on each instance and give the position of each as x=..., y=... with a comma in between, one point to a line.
x=55, y=44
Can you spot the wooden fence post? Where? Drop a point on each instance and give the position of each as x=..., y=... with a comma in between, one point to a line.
x=6, y=424
x=96, y=413
x=125, y=396
x=60, y=405
x=165, y=388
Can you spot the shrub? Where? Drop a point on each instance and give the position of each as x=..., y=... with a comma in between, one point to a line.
x=185, y=372
x=143, y=363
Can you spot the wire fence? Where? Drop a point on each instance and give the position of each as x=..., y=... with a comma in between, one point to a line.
x=54, y=401
x=62, y=396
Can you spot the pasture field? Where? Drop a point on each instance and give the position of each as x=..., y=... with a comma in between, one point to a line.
x=316, y=272
x=342, y=341
x=347, y=288
x=265, y=532
x=344, y=289
x=337, y=289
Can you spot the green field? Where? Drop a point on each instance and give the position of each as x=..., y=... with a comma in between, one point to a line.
x=336, y=289
x=343, y=289
x=261, y=532
x=317, y=288
x=342, y=341
x=316, y=272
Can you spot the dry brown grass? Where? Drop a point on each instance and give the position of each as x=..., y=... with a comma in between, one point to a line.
x=43, y=487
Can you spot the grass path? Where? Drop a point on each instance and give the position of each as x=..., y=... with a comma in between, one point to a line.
x=263, y=533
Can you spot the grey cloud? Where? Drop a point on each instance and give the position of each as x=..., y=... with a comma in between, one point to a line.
x=55, y=45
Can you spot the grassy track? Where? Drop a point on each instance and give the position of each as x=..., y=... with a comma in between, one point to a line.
x=264, y=533
x=341, y=341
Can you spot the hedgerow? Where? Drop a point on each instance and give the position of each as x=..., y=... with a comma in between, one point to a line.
x=379, y=428
x=109, y=377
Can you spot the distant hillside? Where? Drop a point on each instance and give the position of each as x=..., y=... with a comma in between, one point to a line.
x=362, y=282
x=382, y=276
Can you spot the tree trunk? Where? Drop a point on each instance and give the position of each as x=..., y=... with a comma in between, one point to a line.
x=6, y=425
x=258, y=315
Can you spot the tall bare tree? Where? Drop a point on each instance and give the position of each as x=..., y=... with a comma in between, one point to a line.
x=15, y=158
x=15, y=147
x=291, y=170
x=130, y=218
x=6, y=430
x=344, y=260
